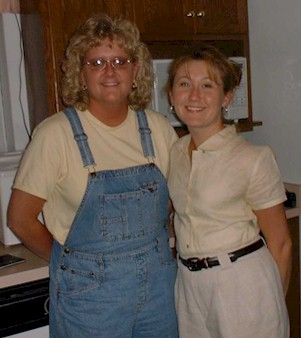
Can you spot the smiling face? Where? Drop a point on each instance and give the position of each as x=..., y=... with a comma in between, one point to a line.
x=109, y=87
x=197, y=98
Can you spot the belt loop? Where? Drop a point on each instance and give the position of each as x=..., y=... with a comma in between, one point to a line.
x=224, y=261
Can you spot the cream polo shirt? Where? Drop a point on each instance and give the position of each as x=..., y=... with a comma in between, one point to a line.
x=52, y=168
x=215, y=194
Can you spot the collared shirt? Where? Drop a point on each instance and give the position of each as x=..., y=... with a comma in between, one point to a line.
x=214, y=193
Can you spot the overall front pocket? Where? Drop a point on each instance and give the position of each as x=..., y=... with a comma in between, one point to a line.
x=129, y=215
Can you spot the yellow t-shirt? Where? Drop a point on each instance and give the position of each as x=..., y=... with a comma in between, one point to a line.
x=52, y=169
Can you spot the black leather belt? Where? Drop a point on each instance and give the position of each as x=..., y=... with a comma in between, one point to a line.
x=196, y=264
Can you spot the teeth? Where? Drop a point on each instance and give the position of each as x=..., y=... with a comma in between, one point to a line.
x=194, y=108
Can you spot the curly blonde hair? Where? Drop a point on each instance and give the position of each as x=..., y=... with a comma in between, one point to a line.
x=92, y=33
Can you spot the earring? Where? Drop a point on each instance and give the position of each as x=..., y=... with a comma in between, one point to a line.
x=134, y=85
x=225, y=112
x=171, y=108
x=84, y=87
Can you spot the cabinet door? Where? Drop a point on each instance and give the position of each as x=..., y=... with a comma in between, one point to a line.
x=163, y=19
x=220, y=17
x=179, y=18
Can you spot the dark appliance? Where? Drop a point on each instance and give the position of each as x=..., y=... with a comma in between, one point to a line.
x=24, y=307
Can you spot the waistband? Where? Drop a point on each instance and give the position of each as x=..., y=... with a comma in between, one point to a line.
x=196, y=264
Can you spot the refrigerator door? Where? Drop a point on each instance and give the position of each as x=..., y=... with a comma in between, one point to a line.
x=8, y=169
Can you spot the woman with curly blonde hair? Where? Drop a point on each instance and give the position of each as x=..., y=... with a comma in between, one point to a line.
x=98, y=171
x=92, y=33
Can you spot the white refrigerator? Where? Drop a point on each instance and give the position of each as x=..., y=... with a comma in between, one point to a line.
x=8, y=168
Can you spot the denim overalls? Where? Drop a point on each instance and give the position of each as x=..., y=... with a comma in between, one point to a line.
x=114, y=276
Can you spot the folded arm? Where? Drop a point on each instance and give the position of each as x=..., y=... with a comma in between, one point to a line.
x=22, y=219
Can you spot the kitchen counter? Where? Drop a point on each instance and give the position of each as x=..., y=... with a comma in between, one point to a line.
x=33, y=268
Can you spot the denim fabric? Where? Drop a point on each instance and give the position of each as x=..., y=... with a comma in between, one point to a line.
x=80, y=137
x=114, y=276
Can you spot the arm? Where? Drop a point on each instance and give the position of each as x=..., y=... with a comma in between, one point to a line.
x=273, y=224
x=171, y=229
x=22, y=218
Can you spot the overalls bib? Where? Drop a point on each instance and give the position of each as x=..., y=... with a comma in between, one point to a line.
x=114, y=276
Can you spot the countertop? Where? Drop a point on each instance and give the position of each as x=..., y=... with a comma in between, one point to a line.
x=33, y=268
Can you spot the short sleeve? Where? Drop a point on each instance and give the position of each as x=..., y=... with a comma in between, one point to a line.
x=42, y=164
x=266, y=188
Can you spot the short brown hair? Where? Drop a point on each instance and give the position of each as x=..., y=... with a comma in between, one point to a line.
x=219, y=67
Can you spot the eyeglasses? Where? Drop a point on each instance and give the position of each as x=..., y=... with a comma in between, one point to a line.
x=100, y=64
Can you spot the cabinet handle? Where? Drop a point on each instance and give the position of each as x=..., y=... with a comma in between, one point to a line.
x=190, y=14
x=200, y=14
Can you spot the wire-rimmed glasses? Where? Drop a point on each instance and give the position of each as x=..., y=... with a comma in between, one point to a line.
x=100, y=64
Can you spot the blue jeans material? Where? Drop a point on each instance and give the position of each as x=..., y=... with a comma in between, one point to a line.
x=114, y=276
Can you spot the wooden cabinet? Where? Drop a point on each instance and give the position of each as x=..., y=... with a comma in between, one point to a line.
x=219, y=17
x=157, y=18
x=177, y=18
x=168, y=27
x=293, y=294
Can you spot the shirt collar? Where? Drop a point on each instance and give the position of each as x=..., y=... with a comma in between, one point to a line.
x=219, y=140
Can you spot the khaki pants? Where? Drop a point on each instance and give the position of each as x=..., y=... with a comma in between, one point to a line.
x=243, y=299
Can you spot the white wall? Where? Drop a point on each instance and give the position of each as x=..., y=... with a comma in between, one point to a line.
x=275, y=47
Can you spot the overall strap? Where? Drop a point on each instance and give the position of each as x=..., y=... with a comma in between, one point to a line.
x=145, y=133
x=80, y=137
